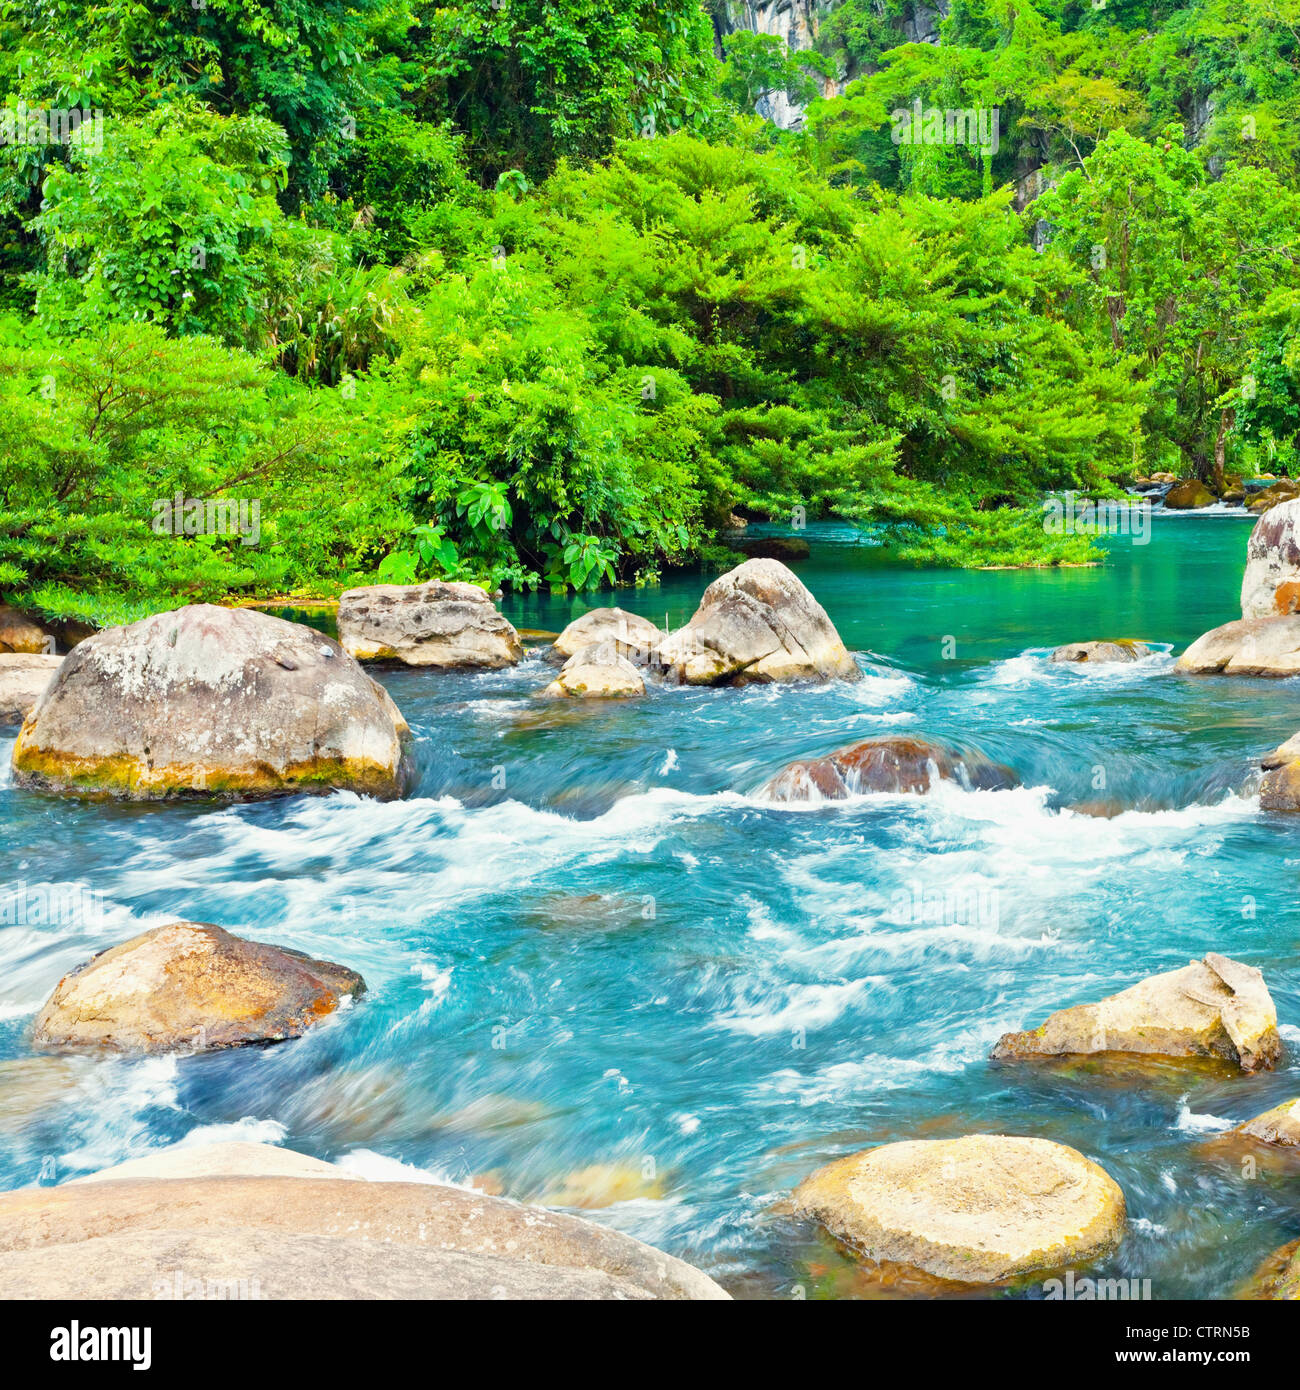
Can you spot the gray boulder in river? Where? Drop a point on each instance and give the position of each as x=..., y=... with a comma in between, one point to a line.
x=1271, y=583
x=757, y=622
x=1096, y=652
x=23, y=678
x=213, y=702
x=1214, y=1007
x=449, y=626
x=191, y=986
x=252, y=1221
x=1246, y=647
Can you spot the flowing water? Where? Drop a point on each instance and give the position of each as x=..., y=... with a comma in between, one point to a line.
x=603, y=974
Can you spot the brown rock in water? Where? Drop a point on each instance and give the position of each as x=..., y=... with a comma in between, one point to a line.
x=886, y=765
x=634, y=636
x=191, y=986
x=1122, y=650
x=1188, y=495
x=21, y=633
x=1283, y=490
x=596, y=672
x=787, y=549
x=449, y=626
x=1281, y=1125
x=757, y=622
x=1279, y=790
x=981, y=1209
x=1246, y=647
x=1278, y=1278
x=23, y=679
x=225, y=1226
x=212, y=702
x=1211, y=1008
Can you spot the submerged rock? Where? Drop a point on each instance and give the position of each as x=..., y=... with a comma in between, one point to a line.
x=226, y=1226
x=980, y=1209
x=635, y=637
x=191, y=986
x=451, y=626
x=1281, y=1125
x=600, y=671
x=23, y=679
x=787, y=549
x=1246, y=647
x=20, y=633
x=1214, y=1007
x=886, y=765
x=1122, y=650
x=213, y=702
x=756, y=623
x=1188, y=495
x=1271, y=584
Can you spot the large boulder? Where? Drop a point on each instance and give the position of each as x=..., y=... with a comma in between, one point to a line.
x=1097, y=652
x=212, y=702
x=886, y=764
x=1279, y=789
x=449, y=626
x=190, y=986
x=756, y=623
x=635, y=636
x=20, y=633
x=1281, y=1125
x=981, y=1209
x=1188, y=495
x=1246, y=647
x=219, y=1227
x=23, y=678
x=1214, y=1007
x=1271, y=584
x=596, y=672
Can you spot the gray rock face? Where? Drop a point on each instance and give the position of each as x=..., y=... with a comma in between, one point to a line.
x=756, y=623
x=306, y=1236
x=1246, y=647
x=1271, y=584
x=600, y=671
x=213, y=702
x=23, y=678
x=1214, y=1007
x=191, y=986
x=450, y=626
x=635, y=637
x=1097, y=652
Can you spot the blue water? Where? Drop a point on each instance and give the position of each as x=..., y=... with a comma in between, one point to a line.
x=589, y=946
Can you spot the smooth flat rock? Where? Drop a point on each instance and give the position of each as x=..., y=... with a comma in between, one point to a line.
x=191, y=986
x=446, y=626
x=1246, y=647
x=208, y=701
x=1214, y=1007
x=757, y=622
x=24, y=677
x=235, y=1158
x=313, y=1237
x=885, y=765
x=980, y=1209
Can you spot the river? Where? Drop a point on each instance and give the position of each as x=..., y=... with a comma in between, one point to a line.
x=600, y=969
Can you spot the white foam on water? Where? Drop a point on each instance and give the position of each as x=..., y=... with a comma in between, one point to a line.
x=248, y=1130
x=804, y=1006
x=377, y=1167
x=108, y=1121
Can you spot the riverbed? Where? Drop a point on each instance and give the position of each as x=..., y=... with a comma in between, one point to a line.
x=603, y=974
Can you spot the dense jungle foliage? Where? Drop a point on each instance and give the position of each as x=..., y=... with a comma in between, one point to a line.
x=527, y=292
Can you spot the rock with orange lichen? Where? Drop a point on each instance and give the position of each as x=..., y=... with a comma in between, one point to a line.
x=190, y=986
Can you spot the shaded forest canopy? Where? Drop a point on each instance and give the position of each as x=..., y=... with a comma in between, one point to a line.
x=525, y=292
